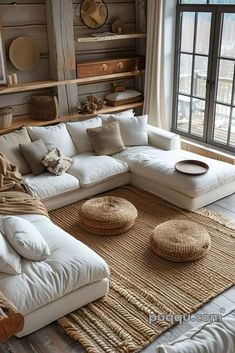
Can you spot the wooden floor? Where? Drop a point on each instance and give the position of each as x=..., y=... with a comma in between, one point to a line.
x=52, y=339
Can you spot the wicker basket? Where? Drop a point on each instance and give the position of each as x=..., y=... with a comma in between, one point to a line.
x=5, y=117
x=44, y=107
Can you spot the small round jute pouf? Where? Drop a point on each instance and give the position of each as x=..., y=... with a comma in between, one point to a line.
x=107, y=215
x=180, y=241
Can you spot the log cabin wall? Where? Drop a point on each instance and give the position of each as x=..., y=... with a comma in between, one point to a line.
x=29, y=17
x=25, y=17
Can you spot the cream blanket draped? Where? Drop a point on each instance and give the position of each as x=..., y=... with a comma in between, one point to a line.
x=13, y=196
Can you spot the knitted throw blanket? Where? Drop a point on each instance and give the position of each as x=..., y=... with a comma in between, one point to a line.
x=13, y=196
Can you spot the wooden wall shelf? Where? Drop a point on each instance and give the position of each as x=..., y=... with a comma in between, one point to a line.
x=90, y=39
x=26, y=121
x=35, y=85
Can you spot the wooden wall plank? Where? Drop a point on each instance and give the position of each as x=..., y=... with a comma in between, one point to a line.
x=22, y=15
x=62, y=51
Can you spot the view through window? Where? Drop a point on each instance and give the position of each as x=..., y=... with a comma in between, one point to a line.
x=204, y=90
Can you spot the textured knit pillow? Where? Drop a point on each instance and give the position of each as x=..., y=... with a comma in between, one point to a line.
x=25, y=238
x=106, y=139
x=33, y=153
x=55, y=162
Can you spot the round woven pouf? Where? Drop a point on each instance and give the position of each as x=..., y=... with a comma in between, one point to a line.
x=107, y=215
x=180, y=241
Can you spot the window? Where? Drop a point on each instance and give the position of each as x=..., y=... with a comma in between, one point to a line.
x=204, y=88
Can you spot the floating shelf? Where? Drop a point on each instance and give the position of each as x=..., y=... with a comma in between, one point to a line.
x=34, y=85
x=89, y=39
x=26, y=121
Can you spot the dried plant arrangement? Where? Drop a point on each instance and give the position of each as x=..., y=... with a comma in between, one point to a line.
x=91, y=105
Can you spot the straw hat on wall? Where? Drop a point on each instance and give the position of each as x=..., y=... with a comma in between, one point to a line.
x=94, y=13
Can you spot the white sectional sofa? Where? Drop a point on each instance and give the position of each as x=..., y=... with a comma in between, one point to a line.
x=150, y=167
x=74, y=275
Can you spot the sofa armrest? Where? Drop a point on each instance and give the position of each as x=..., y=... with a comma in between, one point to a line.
x=163, y=139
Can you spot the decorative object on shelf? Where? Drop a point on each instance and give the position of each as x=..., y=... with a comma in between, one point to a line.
x=118, y=87
x=24, y=53
x=101, y=34
x=91, y=105
x=118, y=26
x=9, y=80
x=93, y=13
x=44, y=107
x=109, y=66
x=120, y=98
x=2, y=62
x=12, y=79
x=192, y=167
x=6, y=117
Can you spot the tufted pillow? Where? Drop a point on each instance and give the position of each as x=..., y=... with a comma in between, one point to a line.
x=55, y=162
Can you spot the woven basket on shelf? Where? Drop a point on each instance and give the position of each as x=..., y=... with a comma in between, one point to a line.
x=44, y=107
x=5, y=117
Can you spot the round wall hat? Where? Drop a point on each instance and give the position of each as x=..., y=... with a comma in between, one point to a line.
x=24, y=53
x=94, y=13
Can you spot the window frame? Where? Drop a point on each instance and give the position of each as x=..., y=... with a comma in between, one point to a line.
x=212, y=73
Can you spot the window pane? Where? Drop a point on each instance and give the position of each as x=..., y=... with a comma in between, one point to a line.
x=222, y=1
x=200, y=76
x=221, y=123
x=228, y=34
x=193, y=1
x=198, y=115
x=183, y=113
x=185, y=73
x=225, y=81
x=203, y=32
x=232, y=132
x=187, y=32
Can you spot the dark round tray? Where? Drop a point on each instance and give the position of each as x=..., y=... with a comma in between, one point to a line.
x=191, y=167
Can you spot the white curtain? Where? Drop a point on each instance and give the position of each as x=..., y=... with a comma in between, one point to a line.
x=159, y=62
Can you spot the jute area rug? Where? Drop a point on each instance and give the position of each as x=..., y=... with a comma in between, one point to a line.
x=142, y=283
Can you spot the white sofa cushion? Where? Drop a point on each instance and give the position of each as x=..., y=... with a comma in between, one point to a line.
x=158, y=166
x=160, y=138
x=71, y=265
x=24, y=238
x=10, y=261
x=79, y=135
x=107, y=117
x=54, y=136
x=91, y=169
x=215, y=337
x=46, y=185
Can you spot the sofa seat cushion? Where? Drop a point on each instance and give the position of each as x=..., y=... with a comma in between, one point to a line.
x=47, y=185
x=71, y=265
x=158, y=166
x=92, y=170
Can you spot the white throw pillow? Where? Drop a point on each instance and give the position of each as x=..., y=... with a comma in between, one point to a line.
x=134, y=129
x=10, y=261
x=79, y=135
x=54, y=136
x=110, y=117
x=25, y=239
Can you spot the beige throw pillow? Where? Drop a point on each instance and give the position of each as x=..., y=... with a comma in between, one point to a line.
x=106, y=139
x=33, y=153
x=56, y=162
